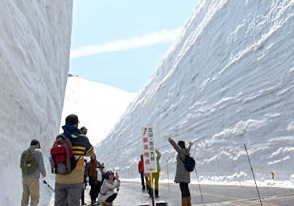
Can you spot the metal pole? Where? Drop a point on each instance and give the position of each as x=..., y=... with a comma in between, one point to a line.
x=197, y=177
x=168, y=177
x=251, y=168
x=151, y=188
x=133, y=177
x=198, y=183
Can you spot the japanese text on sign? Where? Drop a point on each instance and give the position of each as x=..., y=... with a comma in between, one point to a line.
x=149, y=150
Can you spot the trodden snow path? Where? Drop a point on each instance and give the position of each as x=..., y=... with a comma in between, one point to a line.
x=130, y=194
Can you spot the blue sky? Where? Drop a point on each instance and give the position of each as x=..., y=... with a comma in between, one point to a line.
x=121, y=42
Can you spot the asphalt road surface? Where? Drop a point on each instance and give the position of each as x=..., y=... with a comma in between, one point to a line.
x=130, y=194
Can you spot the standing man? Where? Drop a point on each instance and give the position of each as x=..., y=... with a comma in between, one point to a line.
x=32, y=164
x=68, y=188
x=141, y=171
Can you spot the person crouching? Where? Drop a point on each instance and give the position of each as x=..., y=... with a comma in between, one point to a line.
x=107, y=193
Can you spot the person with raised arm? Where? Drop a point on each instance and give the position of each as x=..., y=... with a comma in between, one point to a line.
x=182, y=175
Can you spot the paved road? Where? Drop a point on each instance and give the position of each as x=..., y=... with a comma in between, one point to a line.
x=130, y=194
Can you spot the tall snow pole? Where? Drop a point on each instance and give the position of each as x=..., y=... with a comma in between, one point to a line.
x=198, y=177
x=198, y=183
x=133, y=177
x=251, y=168
x=167, y=177
x=151, y=188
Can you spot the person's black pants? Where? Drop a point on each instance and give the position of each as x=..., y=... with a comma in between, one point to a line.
x=142, y=181
x=95, y=189
x=185, y=189
x=111, y=198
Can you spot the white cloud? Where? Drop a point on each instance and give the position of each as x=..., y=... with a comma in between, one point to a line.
x=125, y=44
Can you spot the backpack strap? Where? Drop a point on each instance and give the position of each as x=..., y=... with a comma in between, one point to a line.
x=185, y=157
x=183, y=160
x=64, y=137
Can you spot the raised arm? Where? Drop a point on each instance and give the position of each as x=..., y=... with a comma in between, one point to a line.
x=190, y=144
x=174, y=144
x=158, y=154
x=112, y=186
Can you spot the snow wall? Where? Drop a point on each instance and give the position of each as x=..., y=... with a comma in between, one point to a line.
x=34, y=62
x=227, y=81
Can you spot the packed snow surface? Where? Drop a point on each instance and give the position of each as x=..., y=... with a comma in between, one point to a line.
x=228, y=81
x=34, y=62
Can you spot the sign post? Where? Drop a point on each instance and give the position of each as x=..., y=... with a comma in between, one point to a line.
x=149, y=154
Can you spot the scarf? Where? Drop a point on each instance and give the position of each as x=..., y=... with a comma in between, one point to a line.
x=93, y=171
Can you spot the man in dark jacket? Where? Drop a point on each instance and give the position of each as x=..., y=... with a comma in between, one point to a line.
x=30, y=181
x=68, y=188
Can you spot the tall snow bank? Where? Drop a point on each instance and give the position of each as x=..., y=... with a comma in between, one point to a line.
x=34, y=62
x=228, y=81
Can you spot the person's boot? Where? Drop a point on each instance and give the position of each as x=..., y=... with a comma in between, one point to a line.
x=150, y=192
x=189, y=201
x=184, y=201
x=156, y=193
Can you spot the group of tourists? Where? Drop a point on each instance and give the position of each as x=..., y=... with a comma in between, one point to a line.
x=70, y=168
x=72, y=172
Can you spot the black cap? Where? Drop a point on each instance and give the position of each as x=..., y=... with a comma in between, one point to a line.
x=181, y=144
x=34, y=142
x=72, y=119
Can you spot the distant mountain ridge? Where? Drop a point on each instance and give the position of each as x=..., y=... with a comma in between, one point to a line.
x=98, y=106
